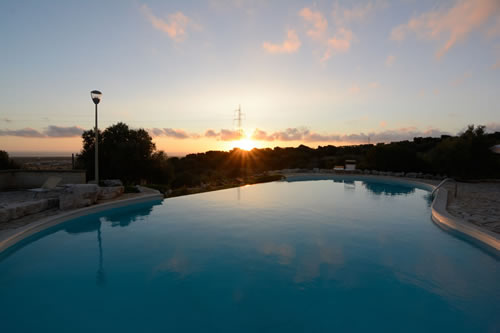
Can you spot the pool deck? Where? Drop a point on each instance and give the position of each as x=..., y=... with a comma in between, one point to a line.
x=14, y=231
x=475, y=211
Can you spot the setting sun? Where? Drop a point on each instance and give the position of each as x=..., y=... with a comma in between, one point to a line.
x=245, y=144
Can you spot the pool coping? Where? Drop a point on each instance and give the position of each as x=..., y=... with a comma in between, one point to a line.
x=53, y=220
x=439, y=214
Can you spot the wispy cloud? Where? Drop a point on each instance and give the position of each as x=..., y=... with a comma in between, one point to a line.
x=339, y=43
x=390, y=60
x=222, y=135
x=63, y=132
x=24, y=132
x=318, y=31
x=460, y=79
x=317, y=21
x=229, y=135
x=354, y=89
x=290, y=45
x=455, y=23
x=170, y=132
x=305, y=135
x=175, y=25
x=359, y=13
x=51, y=131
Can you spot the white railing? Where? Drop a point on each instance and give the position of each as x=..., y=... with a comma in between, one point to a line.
x=442, y=183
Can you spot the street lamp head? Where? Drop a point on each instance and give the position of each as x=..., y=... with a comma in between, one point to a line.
x=96, y=96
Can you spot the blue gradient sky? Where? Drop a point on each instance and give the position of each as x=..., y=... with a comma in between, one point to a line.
x=185, y=66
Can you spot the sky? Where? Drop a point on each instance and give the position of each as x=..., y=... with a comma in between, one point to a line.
x=304, y=72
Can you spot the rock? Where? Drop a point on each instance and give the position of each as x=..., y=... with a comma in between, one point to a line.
x=106, y=193
x=21, y=209
x=78, y=196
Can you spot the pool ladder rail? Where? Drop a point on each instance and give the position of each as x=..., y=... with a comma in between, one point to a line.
x=444, y=181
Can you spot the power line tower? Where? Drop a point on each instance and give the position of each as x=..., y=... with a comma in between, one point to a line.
x=238, y=117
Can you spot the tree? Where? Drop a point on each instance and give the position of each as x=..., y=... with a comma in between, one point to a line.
x=6, y=162
x=124, y=153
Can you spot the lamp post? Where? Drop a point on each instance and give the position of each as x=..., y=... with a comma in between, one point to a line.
x=96, y=98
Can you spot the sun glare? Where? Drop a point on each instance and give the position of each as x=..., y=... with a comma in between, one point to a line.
x=245, y=144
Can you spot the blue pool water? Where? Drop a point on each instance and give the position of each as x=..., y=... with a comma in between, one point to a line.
x=310, y=256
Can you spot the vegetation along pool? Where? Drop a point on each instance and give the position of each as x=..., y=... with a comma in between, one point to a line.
x=306, y=256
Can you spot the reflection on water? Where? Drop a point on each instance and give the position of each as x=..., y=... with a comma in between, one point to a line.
x=388, y=189
x=100, y=276
x=301, y=256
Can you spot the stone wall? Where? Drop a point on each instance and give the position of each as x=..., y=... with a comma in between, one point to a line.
x=23, y=179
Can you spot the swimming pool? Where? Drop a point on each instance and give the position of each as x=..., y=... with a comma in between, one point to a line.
x=307, y=256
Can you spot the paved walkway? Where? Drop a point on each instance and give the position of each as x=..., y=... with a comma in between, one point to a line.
x=477, y=203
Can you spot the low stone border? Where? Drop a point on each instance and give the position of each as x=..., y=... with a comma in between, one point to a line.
x=439, y=214
x=50, y=221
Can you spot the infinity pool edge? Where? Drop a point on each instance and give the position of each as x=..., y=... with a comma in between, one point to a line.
x=62, y=217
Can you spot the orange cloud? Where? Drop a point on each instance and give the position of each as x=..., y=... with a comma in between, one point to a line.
x=341, y=42
x=355, y=89
x=456, y=23
x=318, y=21
x=176, y=26
x=290, y=45
x=390, y=60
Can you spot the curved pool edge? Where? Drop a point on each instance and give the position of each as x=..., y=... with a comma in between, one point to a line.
x=439, y=214
x=51, y=221
x=442, y=217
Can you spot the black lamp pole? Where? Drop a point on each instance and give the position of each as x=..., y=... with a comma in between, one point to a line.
x=96, y=98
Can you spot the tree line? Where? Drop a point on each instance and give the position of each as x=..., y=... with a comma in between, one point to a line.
x=130, y=155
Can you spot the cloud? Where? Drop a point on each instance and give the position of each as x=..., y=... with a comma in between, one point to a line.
x=358, y=13
x=210, y=134
x=51, y=131
x=318, y=31
x=25, y=132
x=290, y=45
x=390, y=60
x=223, y=135
x=171, y=133
x=460, y=79
x=305, y=135
x=6, y=120
x=341, y=42
x=455, y=23
x=318, y=22
x=374, y=85
x=354, y=89
x=63, y=132
x=176, y=133
x=175, y=26
x=229, y=135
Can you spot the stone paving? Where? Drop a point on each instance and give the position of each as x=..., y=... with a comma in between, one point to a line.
x=477, y=203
